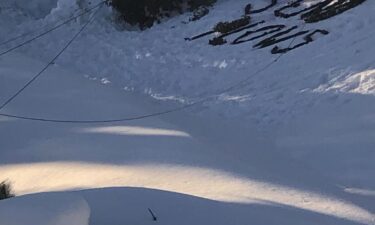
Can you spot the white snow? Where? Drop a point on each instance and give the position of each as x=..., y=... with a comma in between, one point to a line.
x=45, y=209
x=141, y=59
x=293, y=145
x=359, y=83
x=133, y=130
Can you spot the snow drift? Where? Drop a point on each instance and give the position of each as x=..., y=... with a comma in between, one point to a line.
x=45, y=209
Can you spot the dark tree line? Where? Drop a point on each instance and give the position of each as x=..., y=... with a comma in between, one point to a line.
x=145, y=13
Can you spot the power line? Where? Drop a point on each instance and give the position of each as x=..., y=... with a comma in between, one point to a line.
x=48, y=31
x=25, y=34
x=101, y=121
x=243, y=82
x=49, y=63
x=18, y=37
x=225, y=90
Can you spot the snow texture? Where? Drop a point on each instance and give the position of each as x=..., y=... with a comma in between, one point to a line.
x=294, y=145
x=45, y=209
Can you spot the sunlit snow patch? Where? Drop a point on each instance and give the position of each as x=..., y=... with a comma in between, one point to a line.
x=358, y=83
x=202, y=182
x=135, y=131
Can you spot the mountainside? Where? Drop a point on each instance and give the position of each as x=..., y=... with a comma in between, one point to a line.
x=278, y=138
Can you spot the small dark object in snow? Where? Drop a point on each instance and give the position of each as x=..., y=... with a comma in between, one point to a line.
x=217, y=41
x=199, y=13
x=5, y=190
x=226, y=27
x=248, y=8
x=154, y=218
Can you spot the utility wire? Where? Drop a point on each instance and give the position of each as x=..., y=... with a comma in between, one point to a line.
x=25, y=34
x=243, y=82
x=49, y=63
x=49, y=30
x=39, y=119
x=205, y=99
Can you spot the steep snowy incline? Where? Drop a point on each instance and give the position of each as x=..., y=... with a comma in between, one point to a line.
x=311, y=162
x=160, y=63
x=175, y=153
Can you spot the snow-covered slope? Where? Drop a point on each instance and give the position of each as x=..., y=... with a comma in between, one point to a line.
x=161, y=63
x=176, y=153
x=45, y=209
x=294, y=145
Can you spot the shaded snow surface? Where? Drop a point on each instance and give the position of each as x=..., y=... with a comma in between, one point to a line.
x=294, y=145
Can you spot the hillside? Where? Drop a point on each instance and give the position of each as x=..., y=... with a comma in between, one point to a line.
x=279, y=138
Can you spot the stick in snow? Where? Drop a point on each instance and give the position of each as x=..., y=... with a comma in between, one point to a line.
x=154, y=218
